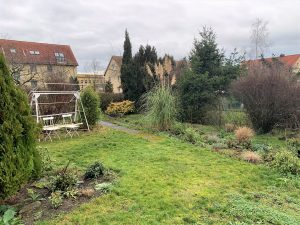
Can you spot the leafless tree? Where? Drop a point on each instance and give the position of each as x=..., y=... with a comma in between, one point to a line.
x=94, y=66
x=23, y=75
x=270, y=93
x=259, y=37
x=5, y=36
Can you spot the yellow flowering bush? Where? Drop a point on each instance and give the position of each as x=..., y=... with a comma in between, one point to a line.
x=120, y=108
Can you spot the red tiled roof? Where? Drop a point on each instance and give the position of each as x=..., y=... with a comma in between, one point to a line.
x=289, y=60
x=45, y=56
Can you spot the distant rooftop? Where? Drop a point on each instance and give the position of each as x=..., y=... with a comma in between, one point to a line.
x=289, y=60
x=37, y=53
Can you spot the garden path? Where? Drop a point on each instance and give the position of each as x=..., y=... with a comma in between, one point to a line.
x=121, y=128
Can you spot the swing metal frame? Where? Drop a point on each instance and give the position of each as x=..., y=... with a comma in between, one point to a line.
x=78, y=103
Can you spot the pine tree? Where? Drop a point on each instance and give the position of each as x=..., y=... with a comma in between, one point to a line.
x=19, y=159
x=210, y=74
x=206, y=57
x=128, y=79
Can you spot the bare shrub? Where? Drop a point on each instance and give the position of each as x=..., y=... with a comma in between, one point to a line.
x=229, y=127
x=270, y=94
x=251, y=157
x=244, y=134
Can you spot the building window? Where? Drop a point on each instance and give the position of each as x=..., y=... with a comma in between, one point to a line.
x=33, y=68
x=49, y=68
x=16, y=75
x=113, y=67
x=33, y=83
x=13, y=50
x=85, y=81
x=81, y=81
x=60, y=57
x=34, y=52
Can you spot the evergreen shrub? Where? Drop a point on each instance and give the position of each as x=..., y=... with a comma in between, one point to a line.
x=19, y=158
x=90, y=101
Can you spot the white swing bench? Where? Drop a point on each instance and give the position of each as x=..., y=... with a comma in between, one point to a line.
x=50, y=128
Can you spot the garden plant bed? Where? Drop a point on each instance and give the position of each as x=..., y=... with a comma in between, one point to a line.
x=32, y=210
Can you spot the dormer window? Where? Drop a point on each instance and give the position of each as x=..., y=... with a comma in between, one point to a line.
x=34, y=52
x=13, y=50
x=60, y=57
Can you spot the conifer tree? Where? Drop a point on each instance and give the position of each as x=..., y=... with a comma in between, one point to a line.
x=19, y=159
x=109, y=87
x=128, y=79
x=210, y=74
x=146, y=56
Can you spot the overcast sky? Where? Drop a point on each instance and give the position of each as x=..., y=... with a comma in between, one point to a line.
x=95, y=28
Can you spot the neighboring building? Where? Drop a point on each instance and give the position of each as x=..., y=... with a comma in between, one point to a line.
x=96, y=81
x=167, y=71
x=32, y=62
x=113, y=73
x=292, y=61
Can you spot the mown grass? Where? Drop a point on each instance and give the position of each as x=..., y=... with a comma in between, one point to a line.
x=167, y=181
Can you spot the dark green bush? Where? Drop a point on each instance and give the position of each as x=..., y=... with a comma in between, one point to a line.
x=286, y=162
x=95, y=170
x=238, y=118
x=263, y=148
x=190, y=135
x=177, y=129
x=63, y=180
x=294, y=146
x=107, y=98
x=19, y=159
x=90, y=101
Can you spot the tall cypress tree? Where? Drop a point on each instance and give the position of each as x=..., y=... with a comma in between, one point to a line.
x=19, y=159
x=128, y=79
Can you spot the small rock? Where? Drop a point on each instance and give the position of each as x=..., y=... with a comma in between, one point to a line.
x=30, y=207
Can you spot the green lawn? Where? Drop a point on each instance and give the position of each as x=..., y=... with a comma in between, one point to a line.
x=163, y=180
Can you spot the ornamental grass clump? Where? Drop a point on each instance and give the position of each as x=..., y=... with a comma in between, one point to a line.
x=244, y=135
x=251, y=157
x=160, y=107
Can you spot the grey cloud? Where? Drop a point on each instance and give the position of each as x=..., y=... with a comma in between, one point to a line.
x=95, y=29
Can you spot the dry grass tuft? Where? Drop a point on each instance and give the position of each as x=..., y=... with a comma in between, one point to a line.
x=87, y=192
x=251, y=157
x=244, y=134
